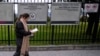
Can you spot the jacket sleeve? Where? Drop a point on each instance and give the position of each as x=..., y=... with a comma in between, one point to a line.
x=21, y=30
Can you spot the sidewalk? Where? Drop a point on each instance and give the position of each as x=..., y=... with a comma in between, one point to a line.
x=55, y=47
x=57, y=53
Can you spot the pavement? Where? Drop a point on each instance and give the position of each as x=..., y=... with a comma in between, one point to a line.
x=56, y=50
x=57, y=53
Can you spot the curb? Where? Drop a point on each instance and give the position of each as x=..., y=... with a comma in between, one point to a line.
x=54, y=47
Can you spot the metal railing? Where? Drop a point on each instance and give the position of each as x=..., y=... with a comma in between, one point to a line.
x=51, y=34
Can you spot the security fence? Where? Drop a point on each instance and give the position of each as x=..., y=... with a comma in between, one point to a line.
x=53, y=34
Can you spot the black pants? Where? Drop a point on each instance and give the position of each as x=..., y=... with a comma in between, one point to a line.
x=93, y=23
x=18, y=48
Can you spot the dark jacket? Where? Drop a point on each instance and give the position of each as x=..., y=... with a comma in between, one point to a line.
x=20, y=31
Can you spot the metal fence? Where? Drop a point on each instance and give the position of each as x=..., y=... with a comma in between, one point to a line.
x=53, y=34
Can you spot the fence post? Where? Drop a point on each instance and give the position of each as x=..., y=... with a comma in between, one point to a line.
x=8, y=35
x=52, y=40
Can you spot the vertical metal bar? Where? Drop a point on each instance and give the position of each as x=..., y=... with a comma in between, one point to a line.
x=37, y=34
x=8, y=35
x=78, y=39
x=97, y=37
x=46, y=34
x=43, y=33
x=85, y=35
x=71, y=33
x=68, y=34
x=52, y=40
x=63, y=31
x=65, y=35
x=56, y=34
x=83, y=25
x=1, y=33
x=74, y=33
x=33, y=40
x=71, y=40
x=14, y=34
x=4, y=32
x=30, y=27
x=75, y=30
x=33, y=35
x=85, y=28
x=12, y=37
x=59, y=35
x=49, y=33
x=40, y=33
x=11, y=34
x=81, y=32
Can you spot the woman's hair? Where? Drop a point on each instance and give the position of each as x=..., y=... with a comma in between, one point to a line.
x=24, y=15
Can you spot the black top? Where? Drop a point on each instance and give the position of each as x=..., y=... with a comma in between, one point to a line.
x=20, y=31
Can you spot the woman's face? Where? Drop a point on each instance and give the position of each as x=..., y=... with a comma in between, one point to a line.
x=27, y=19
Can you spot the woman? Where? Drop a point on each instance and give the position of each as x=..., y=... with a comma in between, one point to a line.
x=21, y=33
